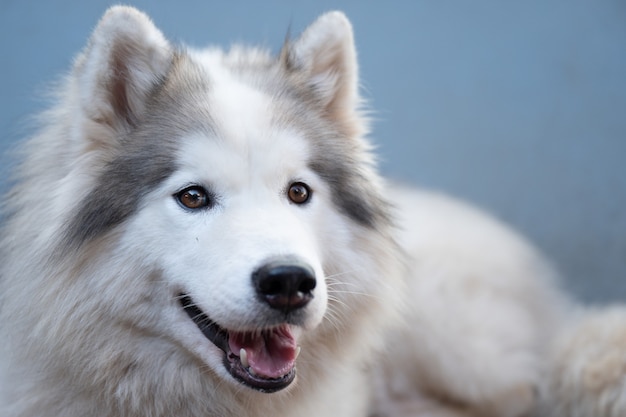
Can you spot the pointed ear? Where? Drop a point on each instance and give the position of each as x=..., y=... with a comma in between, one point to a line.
x=124, y=60
x=326, y=56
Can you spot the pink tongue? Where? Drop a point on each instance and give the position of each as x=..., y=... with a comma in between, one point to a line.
x=271, y=353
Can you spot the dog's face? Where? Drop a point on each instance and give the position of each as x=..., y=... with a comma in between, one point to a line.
x=239, y=225
x=239, y=180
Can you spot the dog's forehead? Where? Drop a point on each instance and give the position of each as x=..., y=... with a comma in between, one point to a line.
x=238, y=96
x=241, y=113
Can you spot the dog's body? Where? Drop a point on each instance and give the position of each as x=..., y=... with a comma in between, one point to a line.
x=189, y=225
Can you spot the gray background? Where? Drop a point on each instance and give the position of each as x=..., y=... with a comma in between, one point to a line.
x=517, y=106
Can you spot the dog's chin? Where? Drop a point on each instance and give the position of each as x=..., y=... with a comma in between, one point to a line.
x=263, y=360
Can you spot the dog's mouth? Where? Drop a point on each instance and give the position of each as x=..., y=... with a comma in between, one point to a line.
x=264, y=360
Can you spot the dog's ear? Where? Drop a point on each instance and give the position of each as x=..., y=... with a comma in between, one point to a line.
x=125, y=59
x=325, y=55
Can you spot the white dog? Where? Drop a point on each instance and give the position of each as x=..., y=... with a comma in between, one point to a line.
x=204, y=233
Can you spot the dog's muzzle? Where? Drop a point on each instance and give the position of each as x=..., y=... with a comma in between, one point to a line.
x=264, y=358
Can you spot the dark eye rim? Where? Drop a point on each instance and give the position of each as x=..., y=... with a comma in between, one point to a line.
x=208, y=197
x=309, y=192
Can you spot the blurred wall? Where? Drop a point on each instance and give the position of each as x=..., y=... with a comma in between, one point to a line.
x=519, y=107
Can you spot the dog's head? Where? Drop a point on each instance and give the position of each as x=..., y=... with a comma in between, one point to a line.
x=238, y=182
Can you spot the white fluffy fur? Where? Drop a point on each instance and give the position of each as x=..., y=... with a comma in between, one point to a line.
x=462, y=318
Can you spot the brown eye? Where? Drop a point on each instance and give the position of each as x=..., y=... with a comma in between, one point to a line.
x=299, y=192
x=193, y=198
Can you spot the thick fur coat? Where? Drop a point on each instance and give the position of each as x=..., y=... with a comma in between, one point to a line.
x=204, y=233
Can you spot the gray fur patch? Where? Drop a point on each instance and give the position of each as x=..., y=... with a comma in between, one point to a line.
x=145, y=156
x=340, y=160
x=351, y=193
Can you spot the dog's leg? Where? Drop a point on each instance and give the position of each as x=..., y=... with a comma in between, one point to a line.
x=587, y=376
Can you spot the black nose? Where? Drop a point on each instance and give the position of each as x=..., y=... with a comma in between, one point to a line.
x=285, y=284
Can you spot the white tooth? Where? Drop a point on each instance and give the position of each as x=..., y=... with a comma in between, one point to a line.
x=298, y=349
x=251, y=371
x=243, y=357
